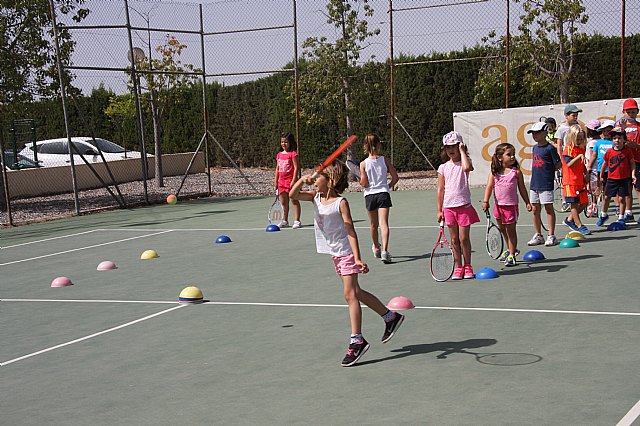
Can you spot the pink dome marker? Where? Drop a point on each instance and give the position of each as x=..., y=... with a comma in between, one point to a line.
x=400, y=303
x=61, y=282
x=106, y=265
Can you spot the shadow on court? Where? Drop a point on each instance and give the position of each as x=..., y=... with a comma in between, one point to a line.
x=402, y=259
x=447, y=348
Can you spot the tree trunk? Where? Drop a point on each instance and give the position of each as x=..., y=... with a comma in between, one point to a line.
x=347, y=117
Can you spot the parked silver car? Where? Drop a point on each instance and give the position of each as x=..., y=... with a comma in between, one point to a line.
x=55, y=152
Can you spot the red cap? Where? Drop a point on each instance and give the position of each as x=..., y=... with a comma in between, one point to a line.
x=630, y=104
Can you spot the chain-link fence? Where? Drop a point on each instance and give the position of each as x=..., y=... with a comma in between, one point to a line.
x=164, y=81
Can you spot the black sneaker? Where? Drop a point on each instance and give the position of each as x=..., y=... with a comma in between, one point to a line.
x=391, y=327
x=355, y=352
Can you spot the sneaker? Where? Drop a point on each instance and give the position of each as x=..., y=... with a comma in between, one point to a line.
x=386, y=257
x=628, y=217
x=602, y=219
x=505, y=254
x=391, y=327
x=621, y=221
x=355, y=352
x=284, y=224
x=468, y=272
x=376, y=251
x=511, y=261
x=536, y=240
x=296, y=224
x=551, y=241
x=584, y=230
x=570, y=223
x=458, y=273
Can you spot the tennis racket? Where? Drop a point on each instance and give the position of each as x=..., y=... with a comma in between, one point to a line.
x=442, y=262
x=334, y=155
x=354, y=168
x=494, y=241
x=276, y=212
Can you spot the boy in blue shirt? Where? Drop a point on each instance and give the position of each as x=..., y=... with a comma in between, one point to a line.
x=595, y=163
x=543, y=167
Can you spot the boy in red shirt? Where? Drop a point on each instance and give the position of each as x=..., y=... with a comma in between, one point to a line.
x=628, y=122
x=619, y=161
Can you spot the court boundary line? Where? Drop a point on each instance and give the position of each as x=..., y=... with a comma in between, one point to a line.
x=81, y=339
x=84, y=248
x=306, y=227
x=327, y=305
x=631, y=416
x=51, y=238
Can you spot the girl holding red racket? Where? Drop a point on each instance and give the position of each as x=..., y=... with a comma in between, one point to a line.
x=336, y=235
x=453, y=200
x=287, y=171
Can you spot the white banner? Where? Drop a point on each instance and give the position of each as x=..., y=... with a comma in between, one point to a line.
x=483, y=130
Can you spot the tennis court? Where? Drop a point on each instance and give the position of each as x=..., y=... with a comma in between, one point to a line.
x=553, y=342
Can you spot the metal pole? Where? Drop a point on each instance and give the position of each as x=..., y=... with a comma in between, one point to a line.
x=295, y=73
x=5, y=183
x=63, y=95
x=507, y=63
x=136, y=88
x=392, y=100
x=622, y=51
x=205, y=111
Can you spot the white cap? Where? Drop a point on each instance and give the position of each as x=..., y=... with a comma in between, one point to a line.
x=538, y=127
x=606, y=123
x=452, y=138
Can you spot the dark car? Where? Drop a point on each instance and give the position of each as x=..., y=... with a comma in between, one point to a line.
x=16, y=163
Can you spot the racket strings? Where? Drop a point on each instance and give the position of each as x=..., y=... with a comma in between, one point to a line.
x=442, y=262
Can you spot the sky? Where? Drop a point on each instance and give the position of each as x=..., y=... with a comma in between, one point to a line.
x=417, y=31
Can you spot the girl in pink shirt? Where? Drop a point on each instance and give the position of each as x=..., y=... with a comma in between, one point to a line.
x=505, y=180
x=454, y=201
x=287, y=171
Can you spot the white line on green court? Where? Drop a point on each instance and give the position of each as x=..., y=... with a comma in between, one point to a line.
x=631, y=416
x=322, y=305
x=84, y=248
x=2, y=364
x=49, y=239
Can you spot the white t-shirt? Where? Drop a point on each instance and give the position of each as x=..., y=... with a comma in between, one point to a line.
x=377, y=175
x=331, y=232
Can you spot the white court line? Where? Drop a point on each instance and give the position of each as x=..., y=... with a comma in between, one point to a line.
x=322, y=305
x=83, y=248
x=2, y=364
x=631, y=416
x=49, y=239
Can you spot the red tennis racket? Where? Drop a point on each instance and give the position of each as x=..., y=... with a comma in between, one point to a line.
x=334, y=155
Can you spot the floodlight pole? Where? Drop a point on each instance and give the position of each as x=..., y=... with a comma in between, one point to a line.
x=63, y=96
x=392, y=101
x=622, y=51
x=295, y=73
x=507, y=61
x=205, y=111
x=136, y=87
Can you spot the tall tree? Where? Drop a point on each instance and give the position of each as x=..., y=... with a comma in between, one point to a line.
x=160, y=88
x=332, y=72
x=543, y=53
x=27, y=68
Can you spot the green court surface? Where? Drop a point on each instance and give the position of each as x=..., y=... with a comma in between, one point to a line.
x=556, y=342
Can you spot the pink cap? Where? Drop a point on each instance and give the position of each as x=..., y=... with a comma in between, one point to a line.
x=593, y=124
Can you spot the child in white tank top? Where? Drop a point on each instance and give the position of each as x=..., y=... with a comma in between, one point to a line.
x=336, y=235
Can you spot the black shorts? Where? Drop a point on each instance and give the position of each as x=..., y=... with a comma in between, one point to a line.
x=619, y=187
x=381, y=200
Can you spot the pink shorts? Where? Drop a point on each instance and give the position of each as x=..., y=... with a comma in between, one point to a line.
x=346, y=265
x=461, y=216
x=506, y=214
x=284, y=187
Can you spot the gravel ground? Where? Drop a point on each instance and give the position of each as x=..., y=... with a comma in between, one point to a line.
x=225, y=182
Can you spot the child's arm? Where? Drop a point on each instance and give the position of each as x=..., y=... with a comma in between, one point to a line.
x=440, y=198
x=523, y=190
x=574, y=160
x=392, y=171
x=296, y=194
x=487, y=192
x=601, y=174
x=275, y=183
x=364, y=179
x=351, y=234
x=296, y=167
x=592, y=159
x=464, y=158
